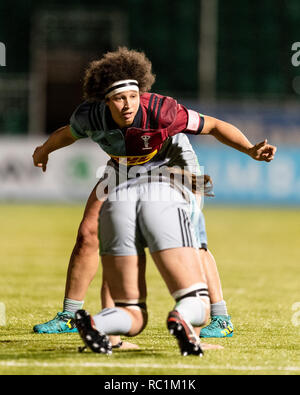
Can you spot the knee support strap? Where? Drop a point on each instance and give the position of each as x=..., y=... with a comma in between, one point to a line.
x=137, y=304
x=199, y=290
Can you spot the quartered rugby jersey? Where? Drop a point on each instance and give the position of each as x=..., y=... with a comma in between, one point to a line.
x=158, y=119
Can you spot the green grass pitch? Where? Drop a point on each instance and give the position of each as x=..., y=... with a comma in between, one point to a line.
x=257, y=251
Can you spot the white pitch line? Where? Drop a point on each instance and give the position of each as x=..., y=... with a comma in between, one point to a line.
x=146, y=366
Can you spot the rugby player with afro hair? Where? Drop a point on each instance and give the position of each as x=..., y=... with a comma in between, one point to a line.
x=122, y=80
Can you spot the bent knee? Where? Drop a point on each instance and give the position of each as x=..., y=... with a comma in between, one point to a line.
x=139, y=322
x=139, y=318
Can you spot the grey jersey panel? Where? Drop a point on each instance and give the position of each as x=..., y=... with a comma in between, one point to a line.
x=176, y=152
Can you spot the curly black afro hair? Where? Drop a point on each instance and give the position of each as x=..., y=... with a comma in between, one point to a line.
x=115, y=66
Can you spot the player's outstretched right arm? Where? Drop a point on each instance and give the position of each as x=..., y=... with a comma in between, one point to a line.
x=230, y=135
x=60, y=138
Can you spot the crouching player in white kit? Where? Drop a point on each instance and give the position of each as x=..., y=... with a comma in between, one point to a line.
x=155, y=215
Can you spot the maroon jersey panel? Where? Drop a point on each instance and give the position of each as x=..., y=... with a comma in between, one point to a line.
x=162, y=117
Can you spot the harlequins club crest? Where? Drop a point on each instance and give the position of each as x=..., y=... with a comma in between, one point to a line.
x=146, y=142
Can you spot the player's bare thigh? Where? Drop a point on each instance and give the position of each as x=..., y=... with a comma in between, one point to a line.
x=179, y=267
x=125, y=276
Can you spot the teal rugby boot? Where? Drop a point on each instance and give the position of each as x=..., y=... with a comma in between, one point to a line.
x=220, y=326
x=62, y=323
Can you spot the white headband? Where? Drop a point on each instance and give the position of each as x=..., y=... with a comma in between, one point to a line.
x=121, y=86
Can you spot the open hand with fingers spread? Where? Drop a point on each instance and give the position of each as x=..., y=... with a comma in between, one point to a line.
x=263, y=151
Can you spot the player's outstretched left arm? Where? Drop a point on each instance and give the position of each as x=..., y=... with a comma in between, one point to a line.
x=62, y=137
x=232, y=136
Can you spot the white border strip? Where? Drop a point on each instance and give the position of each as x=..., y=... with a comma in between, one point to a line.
x=146, y=366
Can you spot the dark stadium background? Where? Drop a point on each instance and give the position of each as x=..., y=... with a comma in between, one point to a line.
x=228, y=59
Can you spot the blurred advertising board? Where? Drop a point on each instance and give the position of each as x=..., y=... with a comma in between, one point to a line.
x=73, y=171
x=237, y=178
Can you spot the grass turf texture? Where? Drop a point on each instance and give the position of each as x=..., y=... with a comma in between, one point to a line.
x=257, y=251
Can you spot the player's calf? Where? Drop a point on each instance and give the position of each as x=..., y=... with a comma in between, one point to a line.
x=137, y=310
x=87, y=241
x=192, y=309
